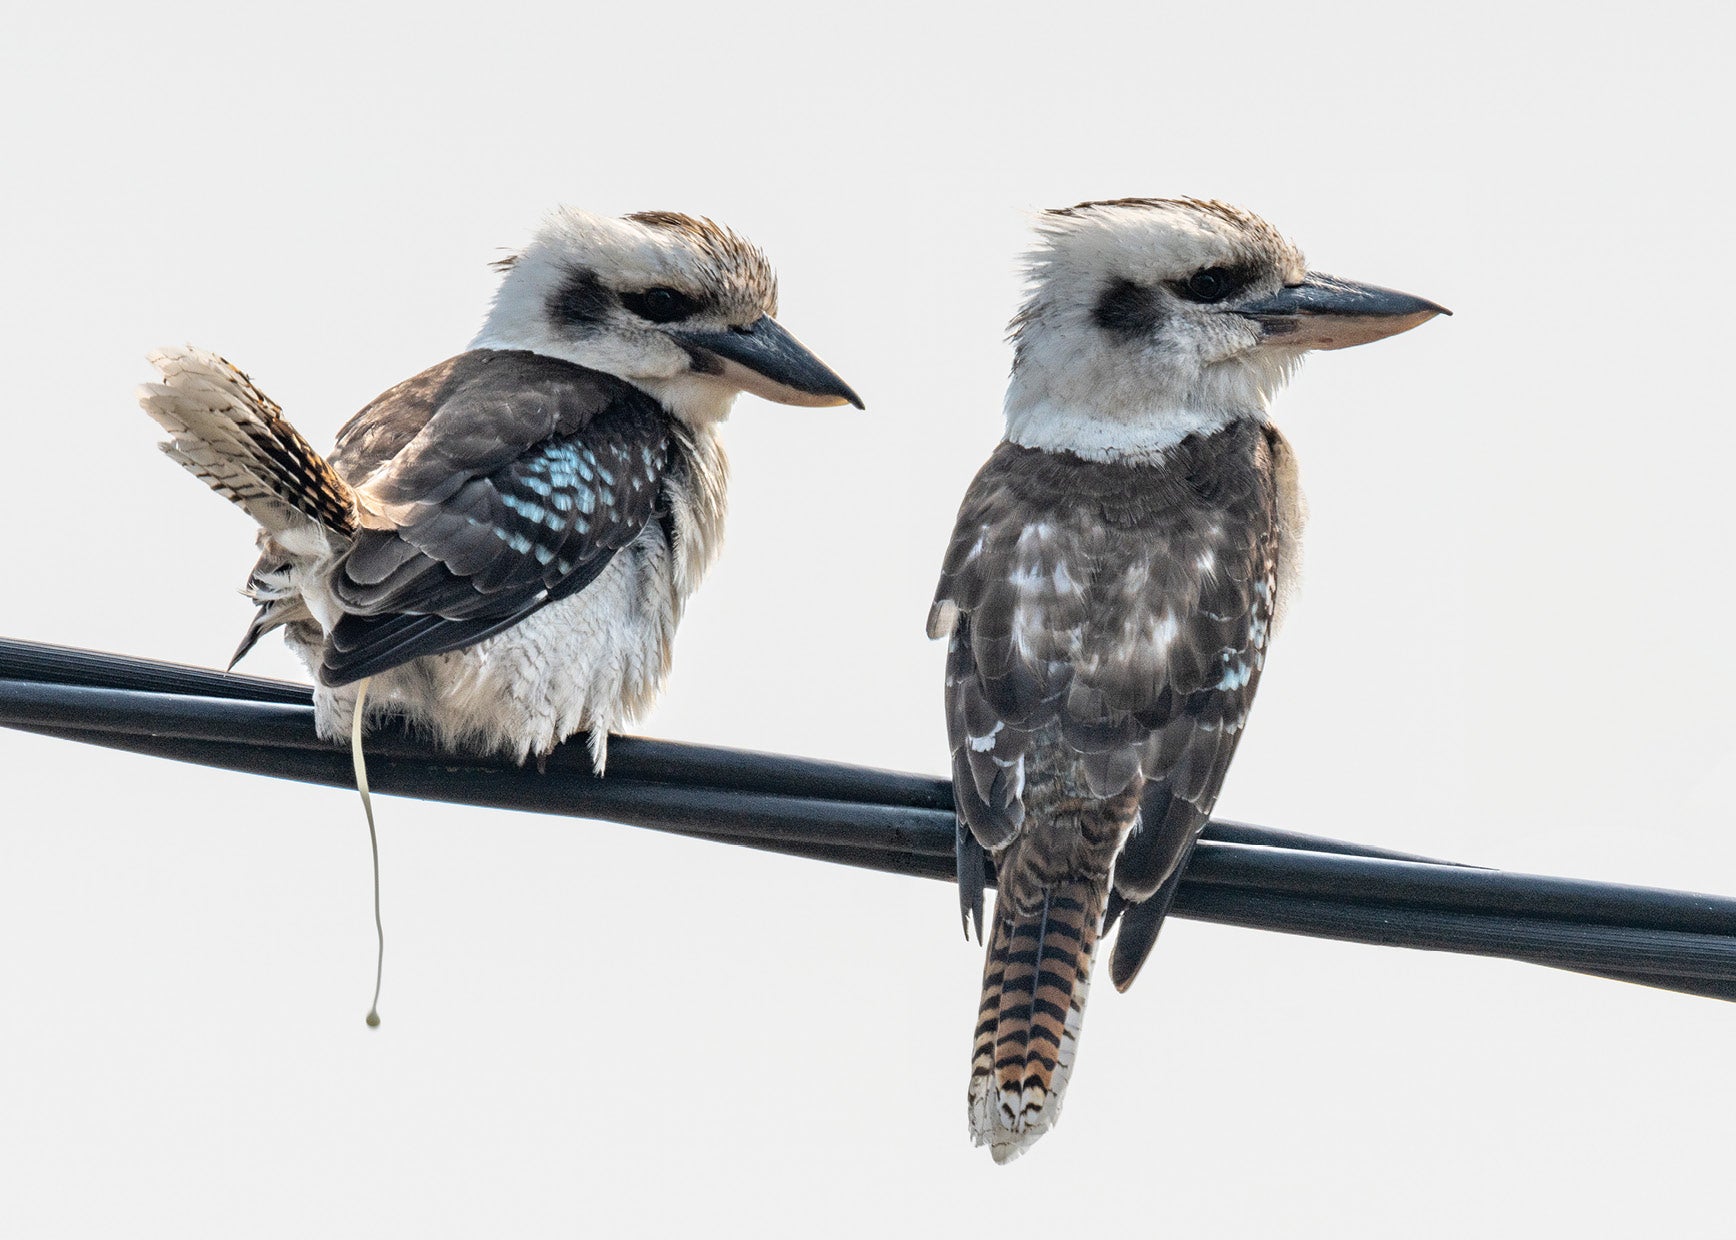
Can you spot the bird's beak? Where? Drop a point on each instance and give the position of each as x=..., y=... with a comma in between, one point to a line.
x=766, y=360
x=1327, y=313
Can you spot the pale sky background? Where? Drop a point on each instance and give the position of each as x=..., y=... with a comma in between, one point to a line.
x=1508, y=649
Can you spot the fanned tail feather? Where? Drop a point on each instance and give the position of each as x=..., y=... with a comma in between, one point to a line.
x=230, y=435
x=1035, y=982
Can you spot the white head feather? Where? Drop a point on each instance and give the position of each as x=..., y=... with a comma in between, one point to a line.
x=561, y=297
x=1114, y=359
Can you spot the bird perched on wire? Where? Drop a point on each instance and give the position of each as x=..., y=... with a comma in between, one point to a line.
x=1118, y=566
x=502, y=545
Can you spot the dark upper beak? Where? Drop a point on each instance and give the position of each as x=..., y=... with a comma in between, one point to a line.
x=1327, y=313
x=766, y=360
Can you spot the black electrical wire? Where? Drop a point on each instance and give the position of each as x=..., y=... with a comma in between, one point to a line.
x=1241, y=875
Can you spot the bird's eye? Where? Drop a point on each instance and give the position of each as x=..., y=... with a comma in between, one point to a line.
x=661, y=305
x=1210, y=284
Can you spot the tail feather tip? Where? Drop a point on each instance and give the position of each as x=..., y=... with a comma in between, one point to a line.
x=993, y=1122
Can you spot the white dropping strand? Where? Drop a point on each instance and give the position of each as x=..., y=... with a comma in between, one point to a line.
x=361, y=766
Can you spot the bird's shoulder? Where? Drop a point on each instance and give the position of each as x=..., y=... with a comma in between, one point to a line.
x=1110, y=525
x=477, y=412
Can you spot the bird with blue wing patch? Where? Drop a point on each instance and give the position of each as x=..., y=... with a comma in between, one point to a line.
x=1108, y=595
x=502, y=545
x=499, y=549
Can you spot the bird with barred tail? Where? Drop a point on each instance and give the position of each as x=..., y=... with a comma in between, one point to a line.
x=501, y=546
x=1117, y=569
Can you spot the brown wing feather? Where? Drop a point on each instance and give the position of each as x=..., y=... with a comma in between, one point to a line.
x=1190, y=754
x=1127, y=606
x=491, y=485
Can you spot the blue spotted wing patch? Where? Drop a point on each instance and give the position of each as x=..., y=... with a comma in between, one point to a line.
x=497, y=546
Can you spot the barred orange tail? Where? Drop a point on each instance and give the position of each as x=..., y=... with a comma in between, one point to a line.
x=1034, y=986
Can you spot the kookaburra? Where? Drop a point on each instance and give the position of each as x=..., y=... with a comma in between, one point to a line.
x=503, y=545
x=1117, y=569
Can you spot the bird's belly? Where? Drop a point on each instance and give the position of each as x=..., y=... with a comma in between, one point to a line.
x=591, y=662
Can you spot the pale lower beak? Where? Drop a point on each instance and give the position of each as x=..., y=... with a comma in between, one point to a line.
x=1327, y=313
x=766, y=360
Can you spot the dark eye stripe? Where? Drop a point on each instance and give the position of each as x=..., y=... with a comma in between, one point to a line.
x=580, y=300
x=662, y=305
x=1128, y=310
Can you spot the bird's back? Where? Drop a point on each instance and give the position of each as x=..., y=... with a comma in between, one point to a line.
x=1111, y=624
